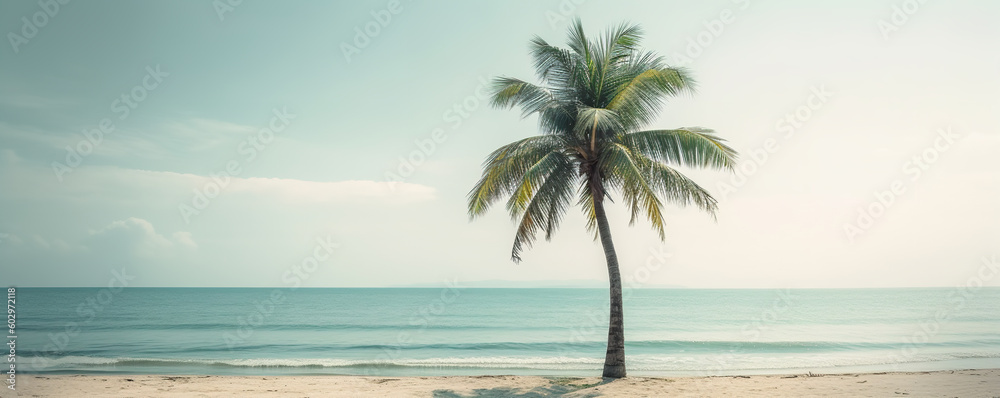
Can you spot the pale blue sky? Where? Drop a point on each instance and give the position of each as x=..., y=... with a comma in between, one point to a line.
x=889, y=88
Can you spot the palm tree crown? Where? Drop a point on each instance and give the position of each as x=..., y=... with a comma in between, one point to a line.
x=592, y=102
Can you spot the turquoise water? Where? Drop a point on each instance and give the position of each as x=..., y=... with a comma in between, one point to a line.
x=457, y=331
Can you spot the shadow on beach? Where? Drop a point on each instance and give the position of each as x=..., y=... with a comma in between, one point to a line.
x=557, y=387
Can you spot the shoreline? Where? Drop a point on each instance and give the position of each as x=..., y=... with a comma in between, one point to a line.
x=954, y=383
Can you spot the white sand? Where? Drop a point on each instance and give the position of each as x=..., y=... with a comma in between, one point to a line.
x=959, y=383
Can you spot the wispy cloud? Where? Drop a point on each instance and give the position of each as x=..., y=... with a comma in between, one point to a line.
x=200, y=134
x=179, y=137
x=132, y=184
x=138, y=235
x=299, y=191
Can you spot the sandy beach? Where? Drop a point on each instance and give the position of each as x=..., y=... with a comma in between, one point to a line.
x=959, y=383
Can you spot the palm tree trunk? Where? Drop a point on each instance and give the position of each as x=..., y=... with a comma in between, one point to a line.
x=614, y=362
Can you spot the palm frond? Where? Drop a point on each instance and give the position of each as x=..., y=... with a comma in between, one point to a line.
x=578, y=42
x=532, y=180
x=553, y=64
x=692, y=146
x=628, y=173
x=640, y=94
x=676, y=188
x=586, y=203
x=504, y=169
x=617, y=45
x=508, y=92
x=541, y=201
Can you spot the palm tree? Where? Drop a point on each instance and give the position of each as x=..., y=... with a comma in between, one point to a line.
x=593, y=101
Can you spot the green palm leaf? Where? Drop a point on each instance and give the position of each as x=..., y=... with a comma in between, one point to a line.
x=692, y=146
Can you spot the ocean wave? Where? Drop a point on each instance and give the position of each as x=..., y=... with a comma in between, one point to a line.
x=645, y=346
x=659, y=345
x=475, y=362
x=57, y=325
x=635, y=362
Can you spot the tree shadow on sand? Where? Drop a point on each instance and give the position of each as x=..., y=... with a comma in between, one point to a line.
x=557, y=388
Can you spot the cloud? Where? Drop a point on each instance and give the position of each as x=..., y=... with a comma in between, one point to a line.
x=54, y=244
x=138, y=236
x=175, y=137
x=10, y=239
x=115, y=184
x=161, y=141
x=17, y=134
x=132, y=243
x=197, y=126
x=33, y=242
x=299, y=191
x=125, y=242
x=200, y=134
x=184, y=239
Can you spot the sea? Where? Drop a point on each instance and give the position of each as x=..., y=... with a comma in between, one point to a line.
x=479, y=331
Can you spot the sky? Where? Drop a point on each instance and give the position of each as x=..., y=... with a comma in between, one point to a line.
x=196, y=143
